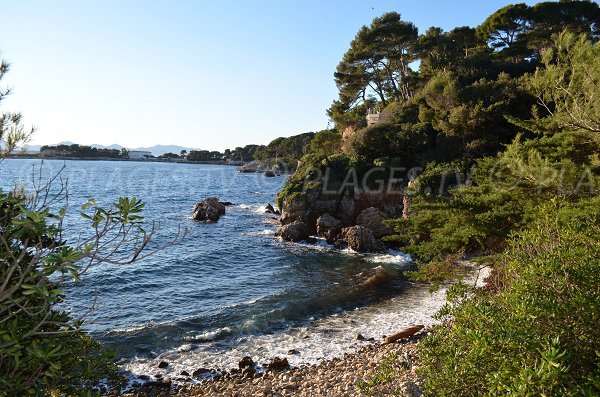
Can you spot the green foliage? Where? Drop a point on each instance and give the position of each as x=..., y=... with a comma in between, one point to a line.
x=539, y=336
x=80, y=151
x=203, y=155
x=43, y=349
x=288, y=150
x=500, y=195
x=567, y=86
x=326, y=142
x=377, y=62
x=12, y=132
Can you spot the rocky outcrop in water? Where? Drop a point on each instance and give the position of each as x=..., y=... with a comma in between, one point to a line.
x=266, y=167
x=327, y=214
x=329, y=227
x=208, y=210
x=296, y=231
x=361, y=239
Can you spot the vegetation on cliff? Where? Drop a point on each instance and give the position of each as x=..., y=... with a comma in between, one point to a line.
x=496, y=129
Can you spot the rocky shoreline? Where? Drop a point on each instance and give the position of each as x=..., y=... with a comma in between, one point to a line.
x=344, y=376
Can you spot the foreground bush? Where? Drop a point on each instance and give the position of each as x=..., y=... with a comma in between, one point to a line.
x=539, y=336
x=43, y=349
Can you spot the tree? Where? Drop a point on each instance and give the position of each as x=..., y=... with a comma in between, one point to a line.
x=377, y=62
x=567, y=88
x=504, y=27
x=326, y=142
x=12, y=132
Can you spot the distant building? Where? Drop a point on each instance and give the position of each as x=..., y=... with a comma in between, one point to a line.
x=139, y=154
x=372, y=117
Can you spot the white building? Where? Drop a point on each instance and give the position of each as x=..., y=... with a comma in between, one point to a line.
x=372, y=117
x=139, y=154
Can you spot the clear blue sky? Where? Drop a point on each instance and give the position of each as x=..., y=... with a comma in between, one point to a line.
x=206, y=74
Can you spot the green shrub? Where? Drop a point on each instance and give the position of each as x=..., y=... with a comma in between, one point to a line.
x=540, y=335
x=43, y=350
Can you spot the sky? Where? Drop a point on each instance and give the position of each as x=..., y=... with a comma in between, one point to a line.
x=201, y=74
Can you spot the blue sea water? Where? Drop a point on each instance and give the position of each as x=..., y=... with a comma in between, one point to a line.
x=228, y=289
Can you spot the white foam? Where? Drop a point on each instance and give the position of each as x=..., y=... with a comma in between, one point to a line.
x=265, y=232
x=209, y=335
x=392, y=256
x=322, y=339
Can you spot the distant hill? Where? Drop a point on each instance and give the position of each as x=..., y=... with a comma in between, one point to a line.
x=156, y=150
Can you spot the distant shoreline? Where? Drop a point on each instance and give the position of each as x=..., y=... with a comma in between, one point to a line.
x=152, y=160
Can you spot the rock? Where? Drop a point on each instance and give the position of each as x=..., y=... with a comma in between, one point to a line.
x=360, y=239
x=253, y=166
x=226, y=203
x=293, y=351
x=163, y=364
x=278, y=364
x=328, y=227
x=293, y=212
x=372, y=218
x=248, y=372
x=376, y=279
x=295, y=232
x=269, y=174
x=246, y=362
x=208, y=210
x=184, y=373
x=199, y=371
x=270, y=210
x=403, y=333
x=360, y=337
x=346, y=209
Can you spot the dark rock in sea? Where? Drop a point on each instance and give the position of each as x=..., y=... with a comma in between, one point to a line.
x=360, y=337
x=270, y=210
x=208, y=210
x=144, y=377
x=295, y=232
x=200, y=371
x=246, y=362
x=291, y=352
x=360, y=239
x=184, y=373
x=226, y=203
x=269, y=174
x=278, y=364
x=163, y=364
x=311, y=240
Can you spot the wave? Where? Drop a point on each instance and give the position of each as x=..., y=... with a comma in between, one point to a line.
x=265, y=232
x=209, y=335
x=320, y=339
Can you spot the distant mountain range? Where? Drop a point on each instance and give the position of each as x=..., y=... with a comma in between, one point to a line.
x=156, y=150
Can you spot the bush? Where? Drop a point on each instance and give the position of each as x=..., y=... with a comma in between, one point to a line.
x=43, y=350
x=540, y=335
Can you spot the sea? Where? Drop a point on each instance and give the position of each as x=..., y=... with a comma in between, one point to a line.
x=224, y=290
